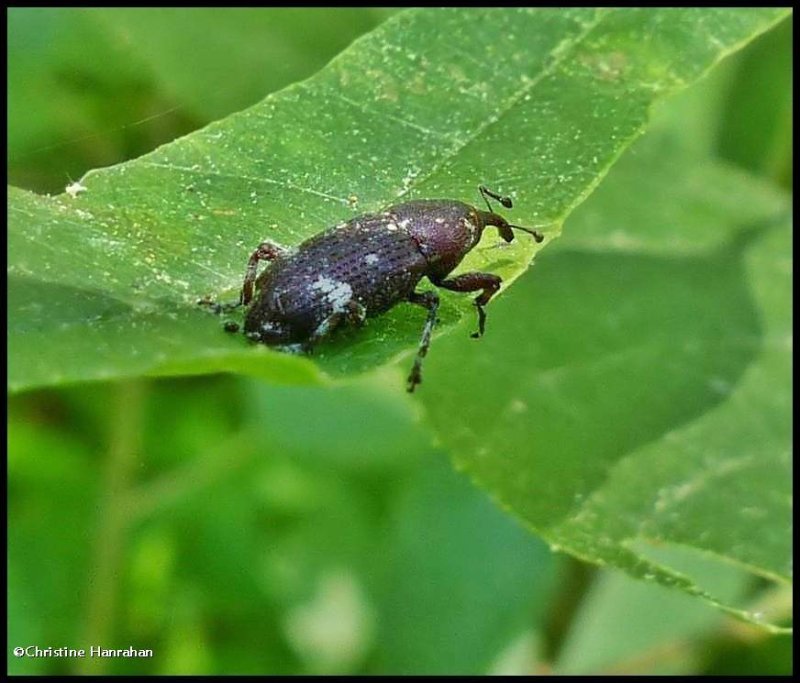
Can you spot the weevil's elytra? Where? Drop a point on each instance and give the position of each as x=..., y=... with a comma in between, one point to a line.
x=363, y=267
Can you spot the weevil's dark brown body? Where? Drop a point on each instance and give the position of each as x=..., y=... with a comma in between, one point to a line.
x=364, y=267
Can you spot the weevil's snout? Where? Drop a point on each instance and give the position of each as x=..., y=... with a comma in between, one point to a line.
x=504, y=229
x=536, y=234
x=490, y=218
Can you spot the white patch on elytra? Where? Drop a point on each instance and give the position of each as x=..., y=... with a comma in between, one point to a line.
x=404, y=223
x=337, y=293
x=371, y=259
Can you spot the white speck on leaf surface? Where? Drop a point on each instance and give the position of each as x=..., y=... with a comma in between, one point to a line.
x=74, y=189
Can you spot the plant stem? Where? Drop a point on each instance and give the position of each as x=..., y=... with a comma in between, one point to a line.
x=576, y=581
x=104, y=574
x=203, y=470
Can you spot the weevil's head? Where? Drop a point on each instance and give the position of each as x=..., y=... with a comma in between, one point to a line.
x=446, y=231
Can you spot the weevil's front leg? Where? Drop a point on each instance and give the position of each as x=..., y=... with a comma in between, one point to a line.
x=429, y=300
x=267, y=251
x=216, y=307
x=471, y=282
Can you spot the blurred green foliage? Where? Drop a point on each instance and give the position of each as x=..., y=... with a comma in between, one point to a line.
x=237, y=527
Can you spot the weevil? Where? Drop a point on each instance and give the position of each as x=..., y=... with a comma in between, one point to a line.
x=363, y=267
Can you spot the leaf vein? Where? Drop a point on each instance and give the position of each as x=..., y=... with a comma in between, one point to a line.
x=235, y=176
x=556, y=56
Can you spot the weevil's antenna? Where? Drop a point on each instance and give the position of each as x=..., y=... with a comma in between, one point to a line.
x=486, y=192
x=506, y=201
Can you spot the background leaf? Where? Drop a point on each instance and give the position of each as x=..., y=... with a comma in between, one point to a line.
x=756, y=130
x=655, y=363
x=438, y=618
x=626, y=626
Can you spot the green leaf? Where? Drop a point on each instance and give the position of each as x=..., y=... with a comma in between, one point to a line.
x=627, y=626
x=92, y=87
x=60, y=65
x=462, y=579
x=264, y=48
x=536, y=103
x=756, y=130
x=52, y=477
x=644, y=396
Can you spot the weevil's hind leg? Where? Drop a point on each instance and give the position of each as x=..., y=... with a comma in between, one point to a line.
x=354, y=314
x=324, y=329
x=471, y=282
x=429, y=300
x=266, y=251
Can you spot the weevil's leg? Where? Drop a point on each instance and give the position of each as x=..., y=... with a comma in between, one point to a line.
x=354, y=313
x=324, y=329
x=429, y=300
x=267, y=251
x=216, y=307
x=471, y=282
